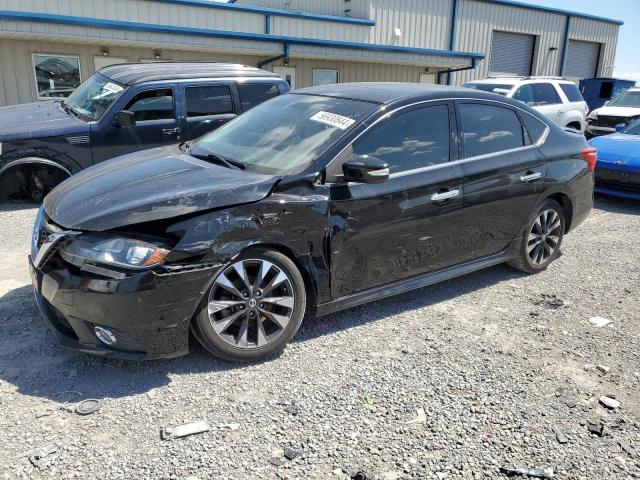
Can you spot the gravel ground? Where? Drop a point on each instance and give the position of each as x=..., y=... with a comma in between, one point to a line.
x=497, y=360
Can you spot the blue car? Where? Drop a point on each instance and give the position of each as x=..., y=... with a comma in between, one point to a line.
x=618, y=166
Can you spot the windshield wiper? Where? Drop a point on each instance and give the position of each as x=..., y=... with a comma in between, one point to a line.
x=212, y=157
x=68, y=109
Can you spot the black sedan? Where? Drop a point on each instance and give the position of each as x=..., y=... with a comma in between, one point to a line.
x=316, y=201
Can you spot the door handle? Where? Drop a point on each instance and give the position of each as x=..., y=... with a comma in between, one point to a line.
x=168, y=131
x=530, y=176
x=439, y=197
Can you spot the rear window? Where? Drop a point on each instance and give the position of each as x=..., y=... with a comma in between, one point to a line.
x=499, y=88
x=572, y=92
x=490, y=129
x=252, y=94
x=208, y=100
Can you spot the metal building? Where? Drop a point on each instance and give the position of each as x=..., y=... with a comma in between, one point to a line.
x=47, y=47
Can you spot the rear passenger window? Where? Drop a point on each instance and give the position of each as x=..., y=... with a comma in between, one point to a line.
x=252, y=94
x=572, y=92
x=545, y=94
x=524, y=94
x=490, y=129
x=535, y=127
x=413, y=139
x=152, y=105
x=208, y=100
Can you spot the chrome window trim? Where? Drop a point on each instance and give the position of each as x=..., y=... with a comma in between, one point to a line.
x=540, y=142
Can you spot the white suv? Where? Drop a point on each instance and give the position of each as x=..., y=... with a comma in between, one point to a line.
x=557, y=99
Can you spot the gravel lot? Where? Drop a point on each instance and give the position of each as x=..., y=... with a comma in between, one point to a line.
x=497, y=360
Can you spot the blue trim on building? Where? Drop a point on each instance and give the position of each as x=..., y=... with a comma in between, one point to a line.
x=565, y=46
x=267, y=24
x=511, y=3
x=205, y=32
x=452, y=32
x=276, y=12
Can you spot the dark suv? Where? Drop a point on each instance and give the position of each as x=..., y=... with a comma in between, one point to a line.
x=121, y=109
x=318, y=200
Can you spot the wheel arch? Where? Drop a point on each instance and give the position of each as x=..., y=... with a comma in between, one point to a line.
x=567, y=207
x=17, y=174
x=303, y=264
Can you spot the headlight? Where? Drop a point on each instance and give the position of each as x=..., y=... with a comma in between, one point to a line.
x=35, y=234
x=115, y=250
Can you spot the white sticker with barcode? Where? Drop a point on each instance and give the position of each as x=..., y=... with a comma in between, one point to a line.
x=333, y=119
x=112, y=87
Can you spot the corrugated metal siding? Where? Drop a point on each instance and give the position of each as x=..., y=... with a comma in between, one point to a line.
x=354, y=72
x=477, y=20
x=17, y=79
x=295, y=27
x=359, y=8
x=423, y=24
x=601, y=32
x=582, y=59
x=511, y=53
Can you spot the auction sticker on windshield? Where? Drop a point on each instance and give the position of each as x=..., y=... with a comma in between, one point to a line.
x=333, y=119
x=112, y=87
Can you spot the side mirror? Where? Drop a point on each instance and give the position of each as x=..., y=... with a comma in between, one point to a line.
x=620, y=127
x=365, y=169
x=125, y=118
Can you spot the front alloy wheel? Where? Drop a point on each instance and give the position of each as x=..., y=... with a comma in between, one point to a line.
x=253, y=308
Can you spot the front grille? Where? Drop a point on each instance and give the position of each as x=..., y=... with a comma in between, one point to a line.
x=610, y=121
x=47, y=227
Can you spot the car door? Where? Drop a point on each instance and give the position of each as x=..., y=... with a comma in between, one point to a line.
x=408, y=224
x=156, y=124
x=207, y=107
x=548, y=102
x=503, y=174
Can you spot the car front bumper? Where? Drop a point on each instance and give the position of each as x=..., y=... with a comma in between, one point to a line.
x=616, y=181
x=148, y=312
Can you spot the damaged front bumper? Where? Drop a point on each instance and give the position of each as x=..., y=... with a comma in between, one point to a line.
x=148, y=312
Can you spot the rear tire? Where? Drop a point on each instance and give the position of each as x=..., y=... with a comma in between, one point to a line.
x=253, y=308
x=541, y=238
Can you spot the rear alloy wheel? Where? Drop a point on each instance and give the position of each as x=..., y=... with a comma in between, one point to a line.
x=542, y=238
x=254, y=307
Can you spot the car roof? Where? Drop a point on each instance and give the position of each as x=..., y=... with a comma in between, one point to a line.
x=132, y=73
x=386, y=93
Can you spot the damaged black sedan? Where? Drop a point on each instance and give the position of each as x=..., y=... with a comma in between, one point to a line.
x=316, y=201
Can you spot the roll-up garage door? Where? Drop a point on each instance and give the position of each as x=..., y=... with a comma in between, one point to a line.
x=582, y=60
x=511, y=53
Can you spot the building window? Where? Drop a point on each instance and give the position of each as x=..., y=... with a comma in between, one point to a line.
x=324, y=77
x=56, y=75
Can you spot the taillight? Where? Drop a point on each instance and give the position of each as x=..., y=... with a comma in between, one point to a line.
x=590, y=154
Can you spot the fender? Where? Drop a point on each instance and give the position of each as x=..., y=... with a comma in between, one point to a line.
x=31, y=161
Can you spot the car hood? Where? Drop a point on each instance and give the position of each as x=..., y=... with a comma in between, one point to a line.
x=617, y=111
x=150, y=185
x=618, y=147
x=34, y=120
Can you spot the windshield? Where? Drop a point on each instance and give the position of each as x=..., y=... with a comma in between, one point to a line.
x=94, y=97
x=499, y=88
x=626, y=99
x=633, y=128
x=285, y=134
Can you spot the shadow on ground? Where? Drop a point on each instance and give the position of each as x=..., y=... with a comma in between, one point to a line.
x=32, y=361
x=626, y=206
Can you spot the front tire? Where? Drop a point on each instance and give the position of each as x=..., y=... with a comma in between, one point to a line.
x=541, y=238
x=253, y=308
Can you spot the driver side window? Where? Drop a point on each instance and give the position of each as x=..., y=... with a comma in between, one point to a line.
x=408, y=140
x=152, y=105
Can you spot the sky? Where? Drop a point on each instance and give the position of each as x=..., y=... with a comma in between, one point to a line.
x=627, y=62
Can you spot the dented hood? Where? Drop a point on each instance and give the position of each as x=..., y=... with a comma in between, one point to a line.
x=150, y=185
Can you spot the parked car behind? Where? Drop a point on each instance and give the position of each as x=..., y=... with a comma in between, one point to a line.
x=318, y=200
x=557, y=99
x=121, y=109
x=623, y=109
x=618, y=166
x=597, y=91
